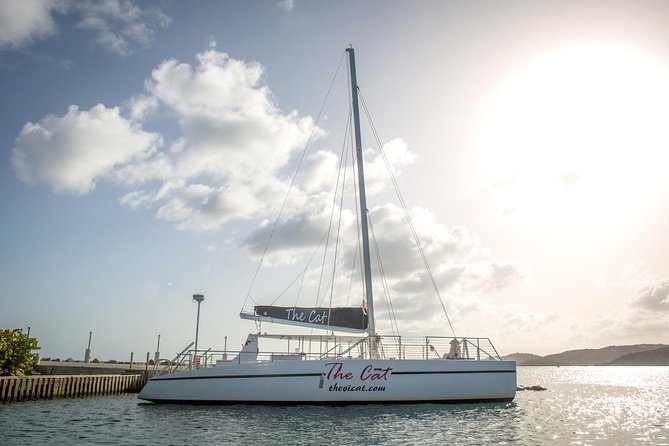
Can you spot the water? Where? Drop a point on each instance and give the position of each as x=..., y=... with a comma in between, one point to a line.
x=583, y=406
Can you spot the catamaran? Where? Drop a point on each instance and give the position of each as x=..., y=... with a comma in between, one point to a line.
x=364, y=367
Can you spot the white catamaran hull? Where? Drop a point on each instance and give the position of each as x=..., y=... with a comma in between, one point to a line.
x=338, y=382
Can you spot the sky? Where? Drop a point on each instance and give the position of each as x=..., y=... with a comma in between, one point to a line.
x=146, y=149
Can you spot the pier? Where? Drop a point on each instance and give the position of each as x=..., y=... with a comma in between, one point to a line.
x=24, y=388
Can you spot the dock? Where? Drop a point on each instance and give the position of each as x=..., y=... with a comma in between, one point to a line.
x=34, y=387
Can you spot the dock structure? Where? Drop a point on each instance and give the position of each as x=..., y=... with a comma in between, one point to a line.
x=24, y=388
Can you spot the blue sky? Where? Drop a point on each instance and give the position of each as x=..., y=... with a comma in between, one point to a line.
x=145, y=146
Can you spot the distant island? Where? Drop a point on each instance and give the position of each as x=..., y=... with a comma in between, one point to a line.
x=614, y=355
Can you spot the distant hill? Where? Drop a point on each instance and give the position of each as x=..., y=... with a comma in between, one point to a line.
x=521, y=358
x=655, y=357
x=585, y=357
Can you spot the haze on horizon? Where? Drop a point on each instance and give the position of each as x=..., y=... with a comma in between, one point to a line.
x=145, y=146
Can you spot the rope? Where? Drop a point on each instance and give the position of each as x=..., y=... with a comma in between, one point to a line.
x=407, y=216
x=386, y=289
x=341, y=207
x=292, y=182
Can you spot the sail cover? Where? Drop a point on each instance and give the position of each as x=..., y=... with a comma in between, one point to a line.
x=347, y=317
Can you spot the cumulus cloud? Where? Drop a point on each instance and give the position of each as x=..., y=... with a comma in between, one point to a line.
x=228, y=117
x=204, y=207
x=72, y=151
x=644, y=317
x=120, y=26
x=225, y=165
x=397, y=155
x=318, y=171
x=299, y=233
x=22, y=22
x=654, y=297
x=460, y=268
x=619, y=326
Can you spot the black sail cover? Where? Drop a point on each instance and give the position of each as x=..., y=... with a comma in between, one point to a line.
x=348, y=317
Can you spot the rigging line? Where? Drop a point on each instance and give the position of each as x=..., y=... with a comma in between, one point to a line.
x=386, y=290
x=302, y=274
x=355, y=251
x=353, y=265
x=292, y=182
x=334, y=205
x=348, y=290
x=407, y=216
x=341, y=207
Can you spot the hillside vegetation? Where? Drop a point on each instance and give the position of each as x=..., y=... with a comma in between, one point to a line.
x=641, y=354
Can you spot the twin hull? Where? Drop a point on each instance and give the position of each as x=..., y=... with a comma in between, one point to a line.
x=338, y=382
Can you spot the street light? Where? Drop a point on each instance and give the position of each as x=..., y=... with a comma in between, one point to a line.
x=197, y=298
x=87, y=353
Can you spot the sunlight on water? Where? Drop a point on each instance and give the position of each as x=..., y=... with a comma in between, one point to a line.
x=582, y=406
x=599, y=405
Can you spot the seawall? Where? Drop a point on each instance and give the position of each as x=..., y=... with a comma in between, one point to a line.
x=23, y=388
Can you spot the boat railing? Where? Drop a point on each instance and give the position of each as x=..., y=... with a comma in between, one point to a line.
x=181, y=361
x=346, y=347
x=439, y=347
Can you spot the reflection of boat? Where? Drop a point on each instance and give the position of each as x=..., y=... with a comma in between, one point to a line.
x=346, y=369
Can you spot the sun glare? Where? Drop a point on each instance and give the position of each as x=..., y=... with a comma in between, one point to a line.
x=579, y=132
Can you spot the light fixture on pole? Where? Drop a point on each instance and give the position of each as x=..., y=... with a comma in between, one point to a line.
x=197, y=298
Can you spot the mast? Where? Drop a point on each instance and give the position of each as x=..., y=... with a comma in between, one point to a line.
x=363, y=199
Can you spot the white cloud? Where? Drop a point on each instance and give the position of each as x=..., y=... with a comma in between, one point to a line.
x=460, y=268
x=204, y=207
x=72, y=151
x=397, y=155
x=24, y=21
x=654, y=296
x=300, y=232
x=156, y=167
x=631, y=323
x=318, y=171
x=494, y=275
x=136, y=199
x=228, y=117
x=286, y=5
x=119, y=25
x=140, y=106
x=226, y=164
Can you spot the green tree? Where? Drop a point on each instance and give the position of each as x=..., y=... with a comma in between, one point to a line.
x=16, y=351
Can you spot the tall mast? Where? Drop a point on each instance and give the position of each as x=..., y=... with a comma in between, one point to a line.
x=361, y=186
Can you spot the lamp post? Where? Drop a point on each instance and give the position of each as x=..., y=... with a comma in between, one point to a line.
x=156, y=357
x=87, y=353
x=197, y=298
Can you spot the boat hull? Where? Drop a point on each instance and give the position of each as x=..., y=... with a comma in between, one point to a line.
x=338, y=382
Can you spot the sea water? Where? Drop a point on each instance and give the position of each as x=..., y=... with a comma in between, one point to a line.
x=582, y=406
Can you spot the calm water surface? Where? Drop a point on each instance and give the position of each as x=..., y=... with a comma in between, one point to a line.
x=584, y=405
